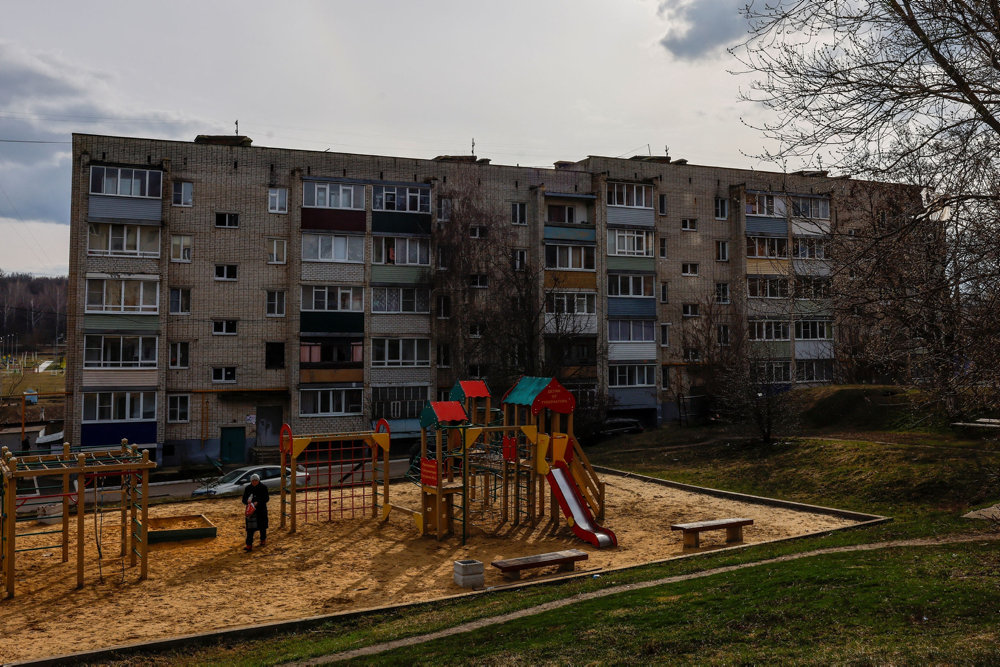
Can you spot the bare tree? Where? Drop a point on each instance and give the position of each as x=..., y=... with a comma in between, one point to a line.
x=906, y=92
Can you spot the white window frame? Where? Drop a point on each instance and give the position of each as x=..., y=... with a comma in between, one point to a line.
x=723, y=335
x=767, y=247
x=443, y=307
x=332, y=299
x=689, y=224
x=631, y=331
x=337, y=248
x=519, y=259
x=479, y=281
x=183, y=194
x=150, y=182
x=444, y=209
x=178, y=408
x=665, y=292
x=226, y=272
x=814, y=208
x=122, y=235
x=629, y=285
x=229, y=220
x=518, y=213
x=104, y=343
x=722, y=251
x=401, y=352
x=662, y=204
x=443, y=355
x=400, y=250
x=224, y=327
x=277, y=200
x=630, y=195
x=806, y=370
x=403, y=296
x=809, y=248
x=274, y=303
x=665, y=334
x=403, y=198
x=180, y=251
x=814, y=330
x=319, y=194
x=769, y=330
x=631, y=375
x=147, y=289
x=277, y=251
x=118, y=407
x=570, y=257
x=767, y=370
x=223, y=374
x=758, y=203
x=767, y=287
x=689, y=268
x=181, y=292
x=722, y=293
x=571, y=303
x=663, y=247
x=338, y=401
x=630, y=242
x=174, y=352
x=721, y=208
x=690, y=310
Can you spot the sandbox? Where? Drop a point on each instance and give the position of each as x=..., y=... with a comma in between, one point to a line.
x=201, y=585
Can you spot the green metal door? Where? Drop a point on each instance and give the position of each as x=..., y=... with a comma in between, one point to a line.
x=232, y=444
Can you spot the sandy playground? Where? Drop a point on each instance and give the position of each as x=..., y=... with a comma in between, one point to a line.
x=201, y=585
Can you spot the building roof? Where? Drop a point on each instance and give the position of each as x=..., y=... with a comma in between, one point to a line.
x=464, y=389
x=540, y=394
x=442, y=412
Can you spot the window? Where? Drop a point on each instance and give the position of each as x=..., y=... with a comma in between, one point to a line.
x=443, y=355
x=180, y=248
x=571, y=303
x=630, y=194
x=405, y=199
x=814, y=330
x=761, y=204
x=767, y=287
x=813, y=370
x=663, y=204
x=479, y=281
x=109, y=295
x=561, y=213
x=333, y=298
x=519, y=259
x=477, y=371
x=400, y=299
x=179, y=355
x=692, y=355
x=125, y=182
x=722, y=251
x=109, y=351
x=274, y=355
x=401, y=352
x=768, y=330
x=225, y=272
x=329, y=402
x=809, y=248
x=224, y=374
x=178, y=408
x=630, y=285
x=812, y=287
x=811, y=207
x=773, y=372
x=663, y=248
x=665, y=335
x=722, y=336
x=224, y=327
x=478, y=232
x=721, y=208
x=183, y=193
x=331, y=353
x=119, y=406
x=444, y=257
x=764, y=246
x=444, y=209
x=689, y=310
x=689, y=224
x=276, y=250
x=402, y=250
x=230, y=220
x=518, y=213
x=333, y=248
x=180, y=300
x=722, y=292
x=443, y=307
x=630, y=331
x=398, y=402
x=475, y=330
x=570, y=257
x=689, y=269
x=123, y=240
x=333, y=195
x=277, y=200
x=664, y=292
x=632, y=242
x=631, y=376
x=275, y=304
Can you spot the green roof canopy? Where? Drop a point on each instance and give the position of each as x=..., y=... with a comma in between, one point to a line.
x=539, y=394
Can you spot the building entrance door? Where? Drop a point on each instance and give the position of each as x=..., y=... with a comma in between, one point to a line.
x=232, y=444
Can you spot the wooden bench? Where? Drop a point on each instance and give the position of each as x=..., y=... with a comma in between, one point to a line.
x=692, y=531
x=566, y=560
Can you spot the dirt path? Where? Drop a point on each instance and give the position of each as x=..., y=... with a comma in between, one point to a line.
x=614, y=590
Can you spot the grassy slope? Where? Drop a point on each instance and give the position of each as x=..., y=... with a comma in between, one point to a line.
x=857, y=607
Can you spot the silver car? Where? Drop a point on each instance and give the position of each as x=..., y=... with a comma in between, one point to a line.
x=235, y=480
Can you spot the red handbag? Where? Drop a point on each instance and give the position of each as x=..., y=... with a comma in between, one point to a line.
x=251, y=508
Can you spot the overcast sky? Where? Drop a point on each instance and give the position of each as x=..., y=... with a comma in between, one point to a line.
x=533, y=81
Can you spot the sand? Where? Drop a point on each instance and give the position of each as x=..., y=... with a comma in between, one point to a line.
x=201, y=585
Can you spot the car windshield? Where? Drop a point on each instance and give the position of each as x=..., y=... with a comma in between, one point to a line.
x=231, y=477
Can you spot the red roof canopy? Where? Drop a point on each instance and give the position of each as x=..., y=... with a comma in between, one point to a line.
x=474, y=388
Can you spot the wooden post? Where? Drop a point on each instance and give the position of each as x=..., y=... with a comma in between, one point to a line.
x=132, y=527
x=65, y=506
x=294, y=494
x=438, y=510
x=81, y=493
x=124, y=495
x=9, y=510
x=284, y=463
x=144, y=529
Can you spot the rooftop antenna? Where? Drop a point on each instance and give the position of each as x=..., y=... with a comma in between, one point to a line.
x=237, y=127
x=649, y=150
x=666, y=150
x=473, y=145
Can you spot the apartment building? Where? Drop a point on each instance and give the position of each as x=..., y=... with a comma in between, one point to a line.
x=219, y=289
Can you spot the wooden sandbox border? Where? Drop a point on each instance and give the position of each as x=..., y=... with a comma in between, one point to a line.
x=261, y=630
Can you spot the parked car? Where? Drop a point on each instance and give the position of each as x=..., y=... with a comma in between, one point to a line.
x=619, y=425
x=235, y=480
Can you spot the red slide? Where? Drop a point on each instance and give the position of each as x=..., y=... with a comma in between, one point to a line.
x=575, y=508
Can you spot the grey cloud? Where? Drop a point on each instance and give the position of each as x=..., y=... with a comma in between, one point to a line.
x=702, y=28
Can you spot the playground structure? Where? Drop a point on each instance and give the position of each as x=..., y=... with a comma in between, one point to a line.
x=22, y=488
x=484, y=468
x=344, y=473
